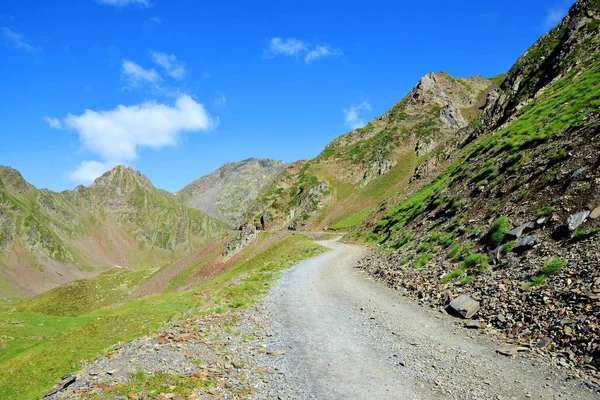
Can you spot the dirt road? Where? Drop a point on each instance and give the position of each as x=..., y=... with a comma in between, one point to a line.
x=349, y=337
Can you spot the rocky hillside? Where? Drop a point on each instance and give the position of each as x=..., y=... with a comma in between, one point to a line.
x=358, y=170
x=48, y=238
x=226, y=192
x=510, y=215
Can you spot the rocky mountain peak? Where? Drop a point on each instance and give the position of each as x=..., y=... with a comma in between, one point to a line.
x=121, y=180
x=227, y=191
x=13, y=181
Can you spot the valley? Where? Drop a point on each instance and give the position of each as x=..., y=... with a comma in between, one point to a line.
x=449, y=248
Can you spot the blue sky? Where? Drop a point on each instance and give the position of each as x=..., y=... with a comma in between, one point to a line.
x=176, y=88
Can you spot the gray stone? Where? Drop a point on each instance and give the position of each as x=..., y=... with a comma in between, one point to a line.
x=67, y=381
x=473, y=324
x=495, y=256
x=596, y=213
x=524, y=244
x=463, y=307
x=577, y=173
x=570, y=225
x=517, y=232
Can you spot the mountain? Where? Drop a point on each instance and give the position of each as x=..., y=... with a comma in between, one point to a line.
x=483, y=187
x=49, y=238
x=226, y=192
x=359, y=169
x=511, y=216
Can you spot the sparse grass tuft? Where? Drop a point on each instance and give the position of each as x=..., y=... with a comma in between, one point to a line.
x=551, y=267
x=422, y=260
x=497, y=231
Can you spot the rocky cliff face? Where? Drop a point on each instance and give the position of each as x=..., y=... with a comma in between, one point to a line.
x=226, y=192
x=49, y=238
x=510, y=214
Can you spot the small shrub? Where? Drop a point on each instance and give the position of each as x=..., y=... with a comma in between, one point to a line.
x=495, y=235
x=422, y=260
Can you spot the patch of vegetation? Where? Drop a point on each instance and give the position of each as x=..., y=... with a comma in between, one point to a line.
x=497, y=231
x=476, y=261
x=548, y=210
x=466, y=281
x=581, y=234
x=141, y=382
x=46, y=347
x=454, y=252
x=489, y=171
x=453, y=275
x=422, y=259
x=551, y=267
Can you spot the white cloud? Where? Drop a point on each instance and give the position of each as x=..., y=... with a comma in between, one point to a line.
x=352, y=115
x=554, y=16
x=87, y=171
x=16, y=40
x=115, y=135
x=284, y=47
x=156, y=20
x=135, y=75
x=321, y=51
x=53, y=123
x=124, y=3
x=169, y=62
x=294, y=47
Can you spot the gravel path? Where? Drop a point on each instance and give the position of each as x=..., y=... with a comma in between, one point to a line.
x=326, y=331
x=348, y=336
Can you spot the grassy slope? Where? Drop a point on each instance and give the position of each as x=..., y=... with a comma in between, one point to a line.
x=564, y=105
x=38, y=348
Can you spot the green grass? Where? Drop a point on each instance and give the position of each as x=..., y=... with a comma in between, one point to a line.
x=453, y=275
x=374, y=191
x=552, y=266
x=42, y=348
x=422, y=260
x=86, y=295
x=158, y=383
x=497, y=231
x=581, y=234
x=454, y=252
x=545, y=211
x=476, y=261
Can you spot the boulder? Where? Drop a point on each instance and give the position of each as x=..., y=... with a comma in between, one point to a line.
x=524, y=244
x=463, y=307
x=596, y=213
x=517, y=232
x=567, y=228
